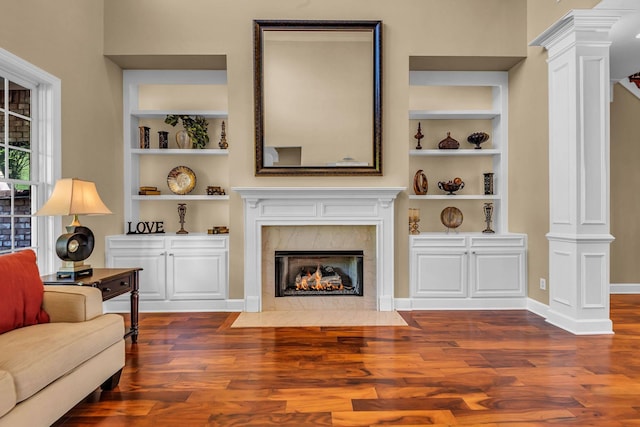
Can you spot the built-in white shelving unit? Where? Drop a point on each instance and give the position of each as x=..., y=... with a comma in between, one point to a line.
x=180, y=272
x=467, y=269
x=134, y=116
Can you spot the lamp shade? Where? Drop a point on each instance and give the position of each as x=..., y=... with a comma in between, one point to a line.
x=73, y=196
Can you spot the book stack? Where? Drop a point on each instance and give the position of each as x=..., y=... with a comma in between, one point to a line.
x=148, y=191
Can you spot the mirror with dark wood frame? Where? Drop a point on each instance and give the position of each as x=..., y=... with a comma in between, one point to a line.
x=318, y=97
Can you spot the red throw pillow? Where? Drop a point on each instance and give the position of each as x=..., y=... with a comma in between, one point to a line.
x=21, y=291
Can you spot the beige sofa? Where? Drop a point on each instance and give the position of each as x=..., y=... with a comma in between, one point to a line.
x=46, y=369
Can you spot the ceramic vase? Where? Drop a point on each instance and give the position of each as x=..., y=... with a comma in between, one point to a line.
x=163, y=139
x=488, y=183
x=144, y=137
x=183, y=140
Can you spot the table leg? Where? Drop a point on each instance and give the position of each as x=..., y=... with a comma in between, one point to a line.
x=134, y=308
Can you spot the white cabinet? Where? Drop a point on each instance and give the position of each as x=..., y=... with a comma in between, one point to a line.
x=439, y=267
x=467, y=266
x=179, y=272
x=147, y=253
x=497, y=273
x=197, y=268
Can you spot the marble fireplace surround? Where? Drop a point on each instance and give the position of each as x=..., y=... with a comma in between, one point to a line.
x=284, y=206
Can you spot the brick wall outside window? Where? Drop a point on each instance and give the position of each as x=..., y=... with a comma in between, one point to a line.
x=19, y=135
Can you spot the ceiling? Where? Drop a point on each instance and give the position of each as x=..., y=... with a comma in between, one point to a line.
x=625, y=47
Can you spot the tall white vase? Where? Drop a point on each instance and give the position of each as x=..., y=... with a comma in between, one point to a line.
x=183, y=140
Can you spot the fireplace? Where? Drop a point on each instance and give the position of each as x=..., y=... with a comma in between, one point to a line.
x=319, y=273
x=309, y=208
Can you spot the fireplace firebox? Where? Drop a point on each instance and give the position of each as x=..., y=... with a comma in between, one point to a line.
x=319, y=273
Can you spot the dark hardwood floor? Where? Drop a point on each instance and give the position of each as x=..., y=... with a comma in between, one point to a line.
x=469, y=368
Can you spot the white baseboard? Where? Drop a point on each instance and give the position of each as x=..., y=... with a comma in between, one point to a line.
x=536, y=307
x=402, y=304
x=124, y=306
x=577, y=327
x=624, y=288
x=408, y=304
x=580, y=326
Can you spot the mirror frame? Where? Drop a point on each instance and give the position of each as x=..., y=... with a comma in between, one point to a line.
x=375, y=27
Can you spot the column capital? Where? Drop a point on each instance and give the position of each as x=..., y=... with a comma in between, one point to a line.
x=590, y=25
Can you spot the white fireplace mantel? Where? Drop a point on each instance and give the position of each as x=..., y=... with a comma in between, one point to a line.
x=295, y=206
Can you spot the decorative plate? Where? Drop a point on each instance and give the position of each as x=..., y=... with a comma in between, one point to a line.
x=451, y=217
x=181, y=180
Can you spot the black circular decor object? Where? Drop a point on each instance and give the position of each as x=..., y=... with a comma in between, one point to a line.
x=76, y=245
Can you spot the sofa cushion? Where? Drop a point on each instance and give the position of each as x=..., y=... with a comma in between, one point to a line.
x=72, y=303
x=37, y=355
x=21, y=291
x=7, y=392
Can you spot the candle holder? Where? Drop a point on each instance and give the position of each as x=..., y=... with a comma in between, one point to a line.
x=419, y=136
x=414, y=219
x=488, y=212
x=182, y=210
x=223, y=144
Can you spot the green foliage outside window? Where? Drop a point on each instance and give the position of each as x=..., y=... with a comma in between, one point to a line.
x=19, y=166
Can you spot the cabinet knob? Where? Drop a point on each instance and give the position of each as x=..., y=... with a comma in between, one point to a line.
x=124, y=283
x=106, y=289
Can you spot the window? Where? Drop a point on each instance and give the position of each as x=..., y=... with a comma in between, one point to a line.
x=29, y=157
x=15, y=166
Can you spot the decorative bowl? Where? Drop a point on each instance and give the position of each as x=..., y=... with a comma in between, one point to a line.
x=478, y=138
x=451, y=186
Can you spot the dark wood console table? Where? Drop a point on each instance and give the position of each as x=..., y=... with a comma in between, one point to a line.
x=112, y=282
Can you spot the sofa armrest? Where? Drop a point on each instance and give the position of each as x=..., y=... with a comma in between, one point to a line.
x=72, y=303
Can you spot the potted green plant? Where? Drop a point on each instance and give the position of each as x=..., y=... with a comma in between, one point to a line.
x=196, y=127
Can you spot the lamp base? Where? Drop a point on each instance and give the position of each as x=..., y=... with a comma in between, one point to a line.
x=74, y=270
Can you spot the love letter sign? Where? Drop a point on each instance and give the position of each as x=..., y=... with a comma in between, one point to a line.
x=147, y=227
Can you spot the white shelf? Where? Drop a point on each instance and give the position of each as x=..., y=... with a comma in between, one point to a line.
x=161, y=114
x=453, y=114
x=454, y=197
x=180, y=197
x=452, y=153
x=492, y=103
x=178, y=151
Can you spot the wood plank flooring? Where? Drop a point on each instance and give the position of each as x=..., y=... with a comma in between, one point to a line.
x=463, y=368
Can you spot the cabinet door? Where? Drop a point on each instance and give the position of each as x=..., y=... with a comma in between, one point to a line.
x=498, y=274
x=197, y=275
x=438, y=274
x=152, y=277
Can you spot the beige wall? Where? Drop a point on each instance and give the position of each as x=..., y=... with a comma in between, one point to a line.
x=417, y=28
x=625, y=150
x=64, y=38
x=68, y=43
